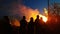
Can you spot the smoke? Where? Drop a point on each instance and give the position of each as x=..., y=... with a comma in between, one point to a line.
x=22, y=10
x=28, y=12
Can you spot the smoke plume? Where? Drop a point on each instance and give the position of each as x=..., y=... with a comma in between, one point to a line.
x=22, y=10
x=28, y=12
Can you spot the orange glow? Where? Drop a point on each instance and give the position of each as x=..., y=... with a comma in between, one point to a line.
x=44, y=18
x=15, y=22
x=29, y=12
x=45, y=11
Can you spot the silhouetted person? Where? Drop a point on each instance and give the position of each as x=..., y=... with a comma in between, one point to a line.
x=37, y=19
x=43, y=26
x=44, y=29
x=31, y=26
x=23, y=24
x=41, y=21
x=37, y=25
x=1, y=27
x=6, y=26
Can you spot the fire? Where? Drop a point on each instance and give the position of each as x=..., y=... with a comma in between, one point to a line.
x=29, y=12
x=15, y=22
x=44, y=18
x=45, y=11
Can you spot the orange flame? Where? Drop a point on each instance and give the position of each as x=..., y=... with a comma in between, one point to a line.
x=44, y=18
x=15, y=22
x=29, y=12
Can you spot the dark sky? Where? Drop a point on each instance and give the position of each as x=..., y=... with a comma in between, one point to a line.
x=39, y=4
x=34, y=4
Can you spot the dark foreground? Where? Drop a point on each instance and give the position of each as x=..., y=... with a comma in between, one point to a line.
x=37, y=27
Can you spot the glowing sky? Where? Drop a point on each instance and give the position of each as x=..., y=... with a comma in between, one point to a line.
x=34, y=4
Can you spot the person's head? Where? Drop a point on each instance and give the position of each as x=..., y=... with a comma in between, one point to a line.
x=37, y=16
x=31, y=18
x=6, y=17
x=24, y=17
x=6, y=20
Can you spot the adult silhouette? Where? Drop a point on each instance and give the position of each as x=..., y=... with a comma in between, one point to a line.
x=37, y=25
x=23, y=24
x=31, y=26
x=6, y=27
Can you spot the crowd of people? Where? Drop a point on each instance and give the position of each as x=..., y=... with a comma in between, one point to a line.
x=37, y=27
x=32, y=27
